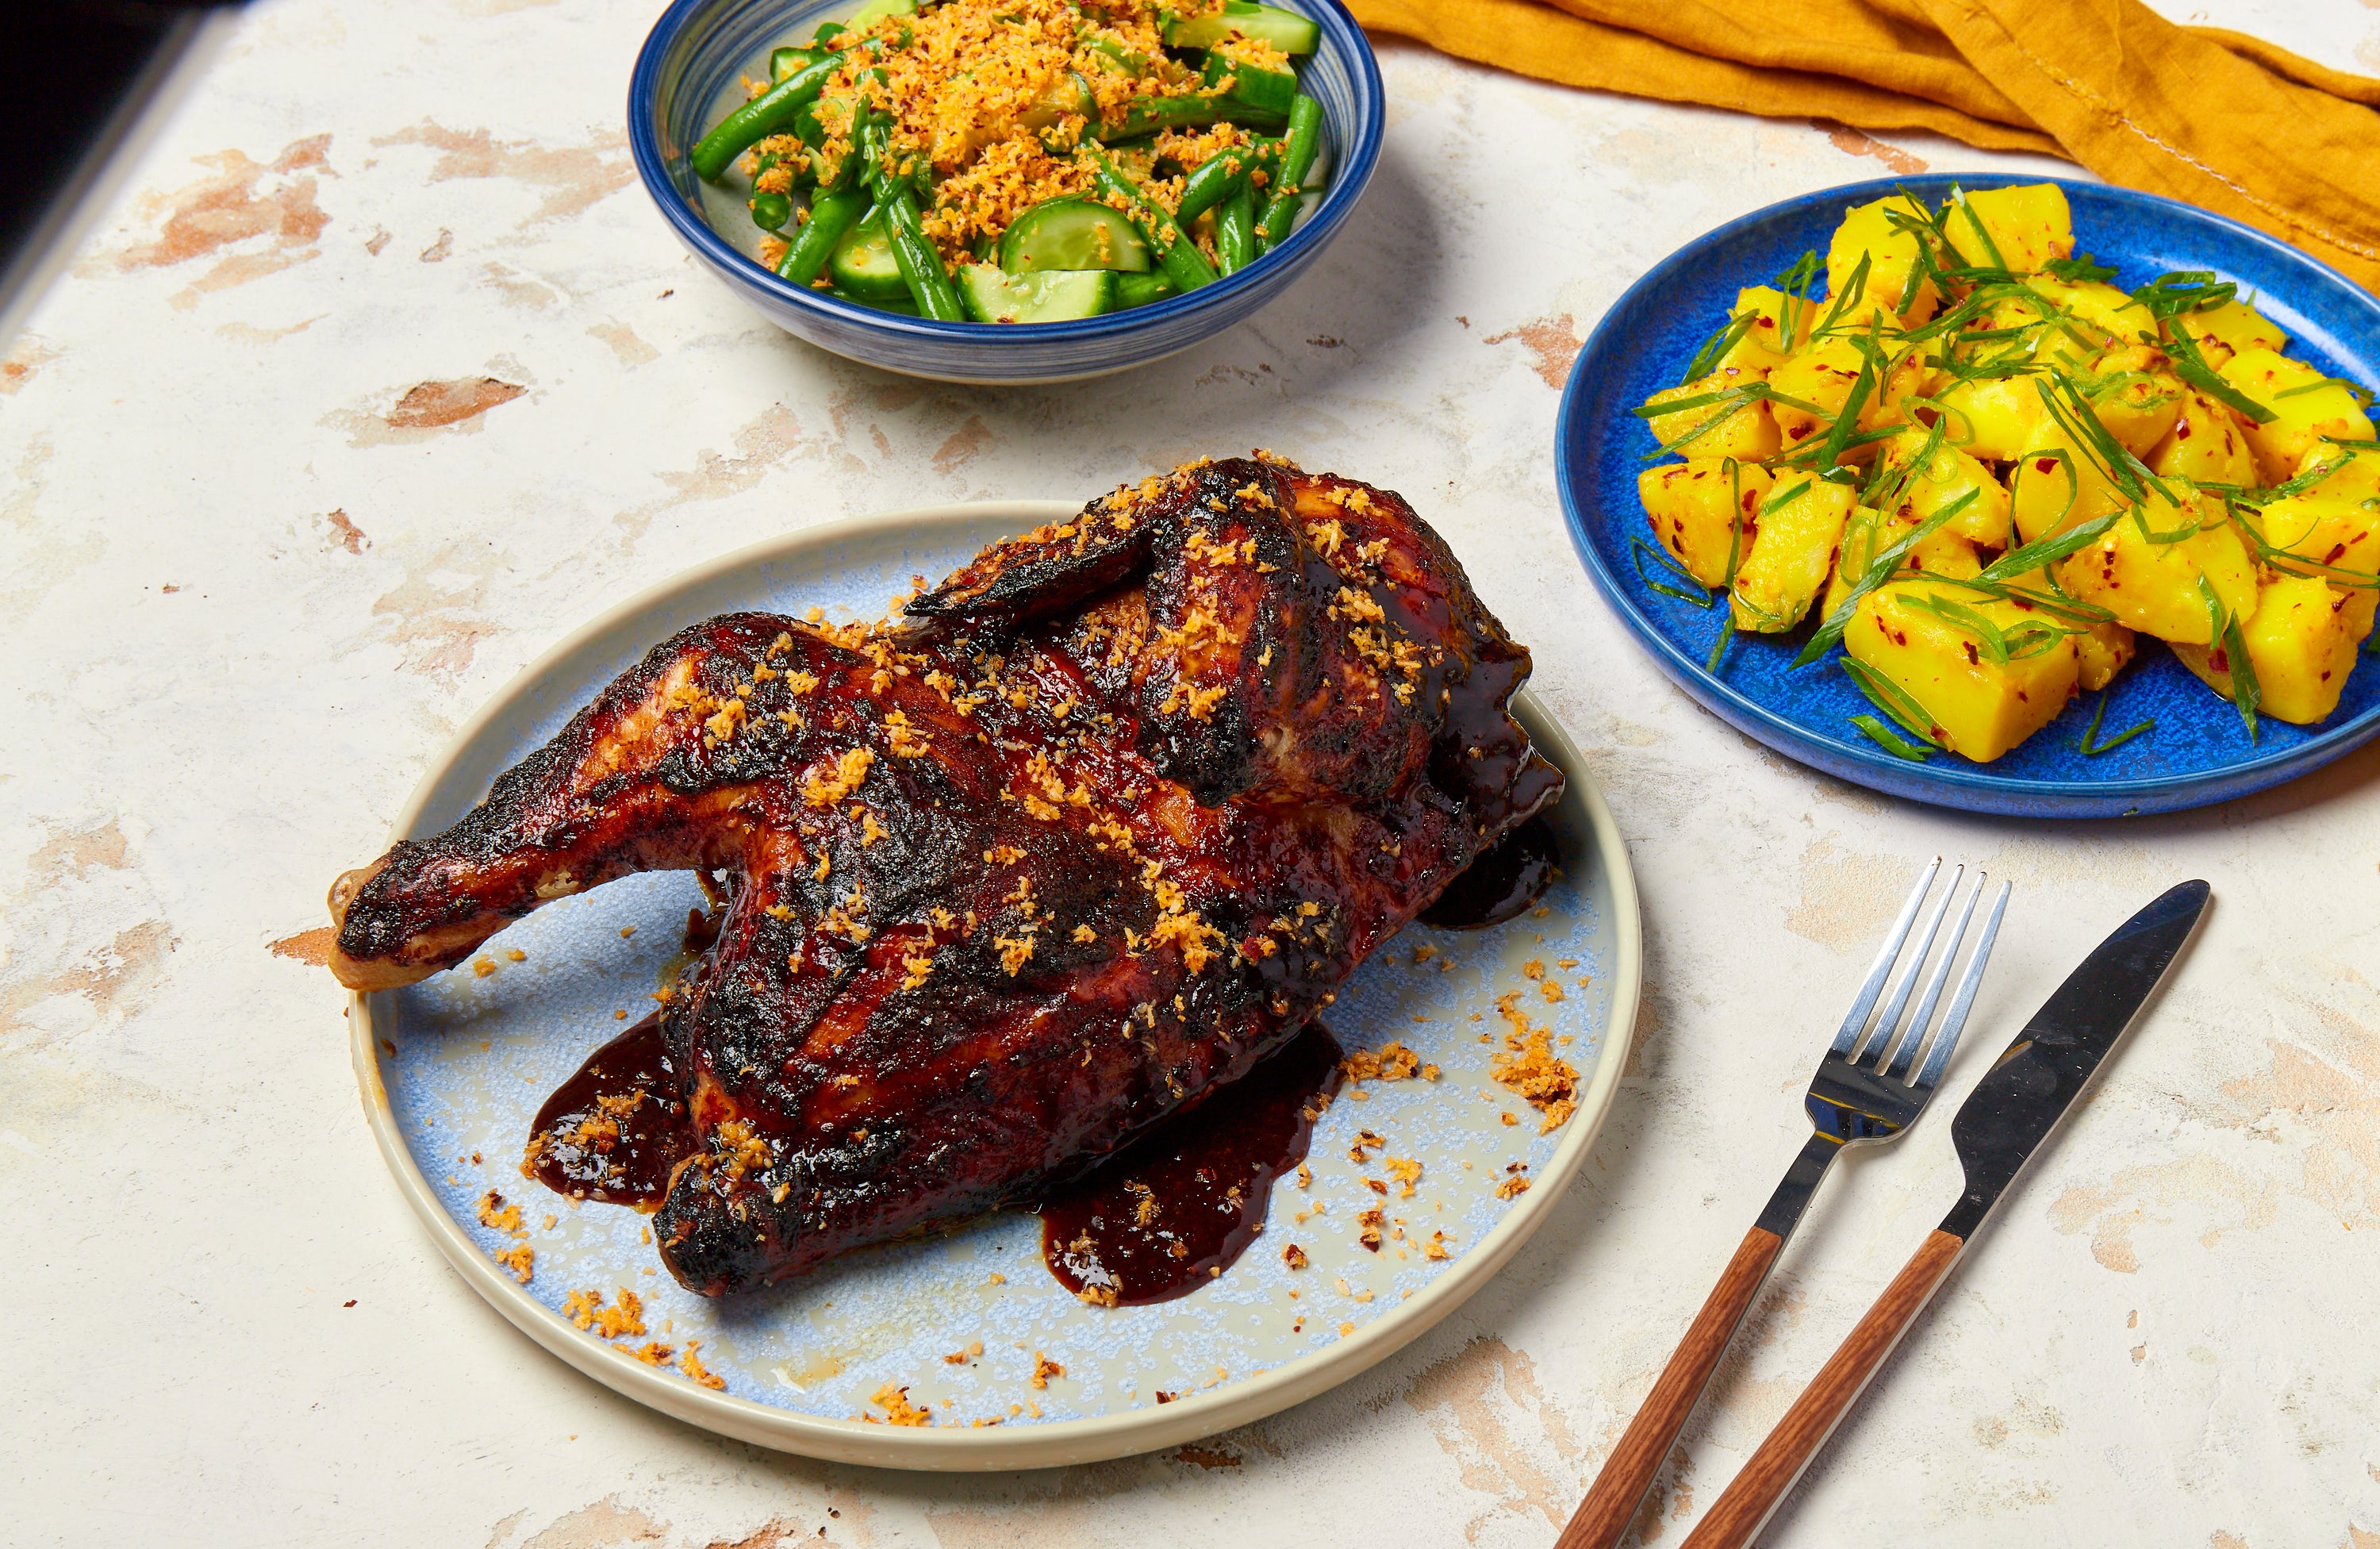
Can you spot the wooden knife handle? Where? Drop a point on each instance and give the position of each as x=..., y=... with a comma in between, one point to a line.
x=1744, y=1506
x=1628, y=1472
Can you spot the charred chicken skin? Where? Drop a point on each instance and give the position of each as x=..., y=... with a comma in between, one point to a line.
x=1094, y=828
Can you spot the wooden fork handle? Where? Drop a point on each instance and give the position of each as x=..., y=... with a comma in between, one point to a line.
x=1628, y=1472
x=1745, y=1505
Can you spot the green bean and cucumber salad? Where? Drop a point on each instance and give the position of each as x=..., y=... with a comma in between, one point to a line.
x=1026, y=161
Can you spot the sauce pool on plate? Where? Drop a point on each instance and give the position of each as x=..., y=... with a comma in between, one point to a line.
x=1174, y=1209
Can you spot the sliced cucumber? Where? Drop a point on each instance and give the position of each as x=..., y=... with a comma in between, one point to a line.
x=1073, y=234
x=863, y=265
x=1070, y=93
x=1286, y=30
x=1253, y=86
x=784, y=61
x=1045, y=295
x=875, y=11
x=1116, y=59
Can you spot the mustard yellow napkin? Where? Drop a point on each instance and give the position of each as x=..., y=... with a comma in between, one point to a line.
x=2214, y=118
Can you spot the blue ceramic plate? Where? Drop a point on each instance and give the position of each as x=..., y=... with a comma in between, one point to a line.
x=452, y=1071
x=688, y=75
x=2199, y=752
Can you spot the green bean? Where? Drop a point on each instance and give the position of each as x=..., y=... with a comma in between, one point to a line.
x=1216, y=179
x=1139, y=290
x=1176, y=255
x=763, y=116
x=921, y=266
x=1235, y=231
x=832, y=214
x=1298, y=147
x=772, y=209
x=827, y=32
x=1147, y=115
x=829, y=173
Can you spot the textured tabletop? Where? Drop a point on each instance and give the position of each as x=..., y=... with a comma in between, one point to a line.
x=383, y=375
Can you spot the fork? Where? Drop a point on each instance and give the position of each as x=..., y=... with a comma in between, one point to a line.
x=1870, y=1087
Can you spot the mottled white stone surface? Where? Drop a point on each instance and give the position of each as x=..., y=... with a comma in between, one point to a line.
x=239, y=608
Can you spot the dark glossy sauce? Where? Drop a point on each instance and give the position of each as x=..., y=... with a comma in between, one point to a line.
x=1500, y=883
x=1168, y=1212
x=615, y=1130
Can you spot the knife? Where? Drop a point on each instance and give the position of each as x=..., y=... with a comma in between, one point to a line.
x=2005, y=1120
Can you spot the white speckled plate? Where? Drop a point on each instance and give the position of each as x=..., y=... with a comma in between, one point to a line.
x=453, y=1069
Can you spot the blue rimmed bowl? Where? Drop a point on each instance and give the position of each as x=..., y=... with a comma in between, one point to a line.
x=2198, y=751
x=686, y=75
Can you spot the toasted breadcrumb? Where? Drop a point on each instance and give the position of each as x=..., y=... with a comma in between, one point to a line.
x=1530, y=1069
x=1294, y=1256
x=499, y=1216
x=825, y=788
x=692, y=1366
x=586, y=1308
x=1390, y=1062
x=894, y=1401
x=1044, y=1369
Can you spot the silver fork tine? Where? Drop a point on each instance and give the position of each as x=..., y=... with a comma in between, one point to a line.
x=1850, y=1102
x=1955, y=1019
x=1890, y=1019
x=1856, y=1023
x=1904, y=1052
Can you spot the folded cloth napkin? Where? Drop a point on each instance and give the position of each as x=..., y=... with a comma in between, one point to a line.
x=2214, y=118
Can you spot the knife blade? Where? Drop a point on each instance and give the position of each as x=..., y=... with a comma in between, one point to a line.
x=2016, y=1105
x=2030, y=1088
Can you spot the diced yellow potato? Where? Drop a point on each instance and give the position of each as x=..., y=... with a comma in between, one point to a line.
x=2301, y=644
x=2054, y=487
x=1852, y=558
x=1868, y=532
x=1996, y=417
x=2100, y=653
x=1949, y=475
x=2143, y=404
x=2204, y=447
x=2321, y=538
x=1980, y=708
x=2102, y=649
x=1781, y=324
x=1695, y=507
x=1745, y=432
x=2153, y=587
x=1867, y=231
x=2112, y=315
x=1822, y=375
x=2019, y=229
x=2353, y=480
x=1792, y=551
x=2332, y=532
x=2222, y=332
x=2305, y=409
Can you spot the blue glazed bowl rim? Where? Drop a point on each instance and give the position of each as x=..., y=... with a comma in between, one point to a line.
x=1355, y=170
x=1958, y=785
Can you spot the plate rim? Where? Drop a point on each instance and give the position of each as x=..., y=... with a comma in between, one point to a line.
x=1963, y=787
x=1049, y=1443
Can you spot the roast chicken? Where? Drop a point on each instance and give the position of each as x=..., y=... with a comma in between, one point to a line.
x=1078, y=838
